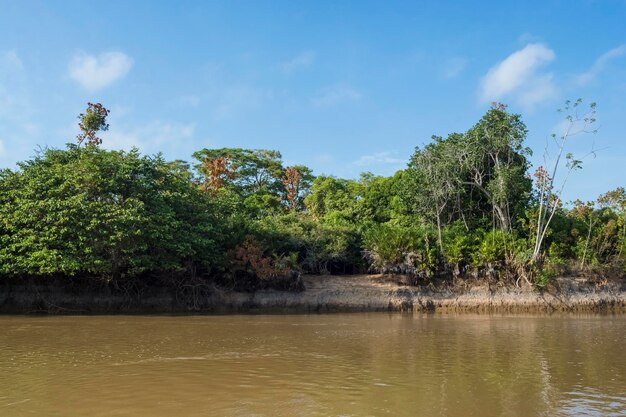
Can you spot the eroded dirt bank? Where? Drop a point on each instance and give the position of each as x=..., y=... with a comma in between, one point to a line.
x=327, y=294
x=372, y=293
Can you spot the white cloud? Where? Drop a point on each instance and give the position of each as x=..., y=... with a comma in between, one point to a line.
x=600, y=64
x=539, y=90
x=336, y=94
x=519, y=70
x=3, y=150
x=96, y=72
x=378, y=158
x=454, y=67
x=302, y=60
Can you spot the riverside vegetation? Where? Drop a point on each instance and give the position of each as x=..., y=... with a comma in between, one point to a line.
x=466, y=207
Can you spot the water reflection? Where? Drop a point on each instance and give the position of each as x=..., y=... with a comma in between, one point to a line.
x=321, y=365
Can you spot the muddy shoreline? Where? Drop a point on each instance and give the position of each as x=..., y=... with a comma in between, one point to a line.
x=326, y=294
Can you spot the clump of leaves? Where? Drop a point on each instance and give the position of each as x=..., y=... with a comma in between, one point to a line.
x=544, y=278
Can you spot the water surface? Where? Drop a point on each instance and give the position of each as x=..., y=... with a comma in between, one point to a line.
x=313, y=365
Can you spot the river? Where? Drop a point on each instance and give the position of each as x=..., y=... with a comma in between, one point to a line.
x=313, y=365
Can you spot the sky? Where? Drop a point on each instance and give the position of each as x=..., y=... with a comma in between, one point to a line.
x=343, y=87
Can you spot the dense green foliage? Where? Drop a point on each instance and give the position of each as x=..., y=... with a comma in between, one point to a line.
x=464, y=207
x=103, y=213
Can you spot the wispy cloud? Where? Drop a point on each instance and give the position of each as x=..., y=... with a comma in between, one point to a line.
x=152, y=137
x=527, y=37
x=233, y=101
x=336, y=94
x=10, y=61
x=189, y=100
x=302, y=60
x=95, y=72
x=539, y=90
x=323, y=158
x=453, y=67
x=599, y=65
x=224, y=94
x=19, y=127
x=379, y=158
x=516, y=76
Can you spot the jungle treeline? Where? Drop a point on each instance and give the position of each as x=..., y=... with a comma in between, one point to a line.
x=467, y=206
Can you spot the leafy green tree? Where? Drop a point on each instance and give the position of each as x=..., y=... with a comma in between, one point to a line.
x=494, y=162
x=479, y=175
x=432, y=185
x=254, y=170
x=615, y=202
x=333, y=197
x=378, y=200
x=106, y=214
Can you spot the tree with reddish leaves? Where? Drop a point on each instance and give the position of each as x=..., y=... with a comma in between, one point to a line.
x=217, y=171
x=249, y=255
x=291, y=180
x=90, y=123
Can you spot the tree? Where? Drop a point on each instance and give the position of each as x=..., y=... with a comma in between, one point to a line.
x=104, y=214
x=378, y=200
x=432, y=183
x=297, y=181
x=91, y=122
x=495, y=163
x=616, y=201
x=334, y=197
x=585, y=212
x=253, y=170
x=291, y=180
x=217, y=171
x=472, y=176
x=549, y=196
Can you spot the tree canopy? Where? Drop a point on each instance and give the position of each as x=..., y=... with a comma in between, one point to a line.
x=464, y=205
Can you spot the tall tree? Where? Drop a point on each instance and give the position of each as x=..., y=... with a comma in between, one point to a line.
x=577, y=122
x=91, y=122
x=494, y=161
x=297, y=182
x=481, y=174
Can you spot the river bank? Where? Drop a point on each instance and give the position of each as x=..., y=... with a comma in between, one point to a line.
x=324, y=293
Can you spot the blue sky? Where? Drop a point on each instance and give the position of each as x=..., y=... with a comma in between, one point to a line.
x=343, y=87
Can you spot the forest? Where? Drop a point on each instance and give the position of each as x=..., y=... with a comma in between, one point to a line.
x=467, y=206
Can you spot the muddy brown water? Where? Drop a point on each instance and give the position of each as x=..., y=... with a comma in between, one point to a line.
x=313, y=365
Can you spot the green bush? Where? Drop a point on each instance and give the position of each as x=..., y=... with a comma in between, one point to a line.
x=493, y=248
x=392, y=248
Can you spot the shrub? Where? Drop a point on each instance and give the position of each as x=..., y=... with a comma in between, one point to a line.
x=492, y=249
x=395, y=249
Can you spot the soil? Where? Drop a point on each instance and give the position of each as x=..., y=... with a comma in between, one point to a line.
x=327, y=293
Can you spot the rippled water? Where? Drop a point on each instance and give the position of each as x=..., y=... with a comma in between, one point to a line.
x=317, y=365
